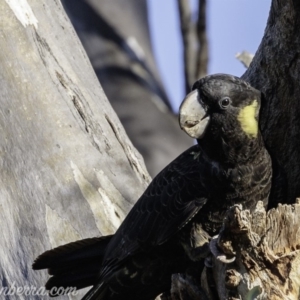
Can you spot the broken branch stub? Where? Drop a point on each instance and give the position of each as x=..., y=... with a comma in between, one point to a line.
x=267, y=257
x=245, y=58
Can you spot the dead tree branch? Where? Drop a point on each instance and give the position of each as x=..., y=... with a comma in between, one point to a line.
x=202, y=55
x=189, y=42
x=256, y=255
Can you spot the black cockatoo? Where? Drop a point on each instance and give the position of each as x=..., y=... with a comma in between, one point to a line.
x=183, y=206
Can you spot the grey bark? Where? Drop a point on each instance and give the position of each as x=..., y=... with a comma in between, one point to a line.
x=68, y=170
x=275, y=71
x=116, y=37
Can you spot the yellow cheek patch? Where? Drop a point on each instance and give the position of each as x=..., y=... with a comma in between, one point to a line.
x=247, y=119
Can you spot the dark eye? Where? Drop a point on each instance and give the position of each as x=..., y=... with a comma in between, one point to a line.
x=225, y=102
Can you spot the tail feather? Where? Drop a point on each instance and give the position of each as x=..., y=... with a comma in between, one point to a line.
x=76, y=264
x=98, y=292
x=77, y=281
x=76, y=251
x=84, y=265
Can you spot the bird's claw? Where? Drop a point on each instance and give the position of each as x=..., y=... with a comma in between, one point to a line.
x=217, y=252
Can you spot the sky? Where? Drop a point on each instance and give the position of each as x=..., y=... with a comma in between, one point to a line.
x=233, y=26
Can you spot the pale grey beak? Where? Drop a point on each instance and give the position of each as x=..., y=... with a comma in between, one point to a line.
x=192, y=116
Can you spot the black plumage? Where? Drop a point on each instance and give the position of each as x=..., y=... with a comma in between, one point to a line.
x=184, y=205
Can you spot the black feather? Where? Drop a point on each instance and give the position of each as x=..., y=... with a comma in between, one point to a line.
x=76, y=264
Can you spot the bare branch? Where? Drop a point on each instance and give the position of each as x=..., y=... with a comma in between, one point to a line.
x=189, y=42
x=202, y=55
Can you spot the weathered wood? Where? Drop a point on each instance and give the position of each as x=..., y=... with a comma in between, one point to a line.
x=266, y=246
x=68, y=170
x=263, y=251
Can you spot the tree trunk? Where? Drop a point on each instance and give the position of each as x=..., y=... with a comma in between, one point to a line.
x=275, y=71
x=68, y=170
x=115, y=35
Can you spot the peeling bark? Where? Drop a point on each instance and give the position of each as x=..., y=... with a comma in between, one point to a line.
x=267, y=260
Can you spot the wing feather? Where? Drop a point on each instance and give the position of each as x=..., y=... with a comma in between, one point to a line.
x=171, y=200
